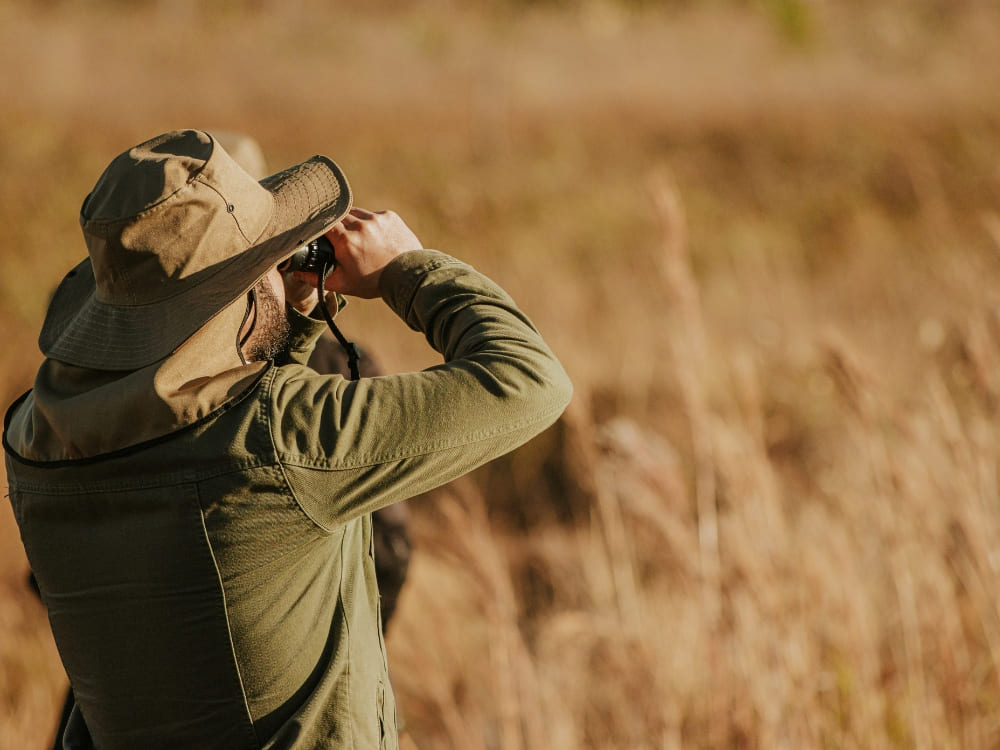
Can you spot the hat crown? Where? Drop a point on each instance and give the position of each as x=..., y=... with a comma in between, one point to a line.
x=165, y=214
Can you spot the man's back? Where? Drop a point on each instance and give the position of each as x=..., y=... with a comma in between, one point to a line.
x=192, y=597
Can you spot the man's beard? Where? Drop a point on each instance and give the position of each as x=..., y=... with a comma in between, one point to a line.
x=270, y=337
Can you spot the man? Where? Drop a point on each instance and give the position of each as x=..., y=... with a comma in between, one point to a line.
x=194, y=501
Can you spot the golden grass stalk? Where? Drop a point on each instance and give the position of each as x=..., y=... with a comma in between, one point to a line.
x=688, y=344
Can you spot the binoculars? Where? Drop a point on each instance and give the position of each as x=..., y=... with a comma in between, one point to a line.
x=314, y=257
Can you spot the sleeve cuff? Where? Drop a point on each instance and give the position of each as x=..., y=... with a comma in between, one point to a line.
x=403, y=276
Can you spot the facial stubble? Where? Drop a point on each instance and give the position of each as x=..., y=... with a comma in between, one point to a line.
x=271, y=333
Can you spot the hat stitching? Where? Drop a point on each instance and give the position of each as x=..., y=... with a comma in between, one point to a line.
x=102, y=226
x=157, y=206
x=230, y=208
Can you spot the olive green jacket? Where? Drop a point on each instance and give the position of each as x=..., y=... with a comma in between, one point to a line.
x=214, y=587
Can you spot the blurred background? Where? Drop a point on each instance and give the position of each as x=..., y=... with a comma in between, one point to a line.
x=763, y=236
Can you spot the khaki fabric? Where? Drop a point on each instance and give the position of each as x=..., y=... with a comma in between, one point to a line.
x=214, y=586
x=176, y=230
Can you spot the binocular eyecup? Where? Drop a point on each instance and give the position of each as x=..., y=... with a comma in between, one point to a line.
x=313, y=257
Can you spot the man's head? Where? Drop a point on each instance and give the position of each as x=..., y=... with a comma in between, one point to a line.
x=177, y=233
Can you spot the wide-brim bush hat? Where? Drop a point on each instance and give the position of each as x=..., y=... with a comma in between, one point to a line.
x=176, y=231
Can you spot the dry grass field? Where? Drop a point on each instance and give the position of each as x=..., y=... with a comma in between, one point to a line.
x=764, y=237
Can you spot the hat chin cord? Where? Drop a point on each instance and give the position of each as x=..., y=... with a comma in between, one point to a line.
x=242, y=340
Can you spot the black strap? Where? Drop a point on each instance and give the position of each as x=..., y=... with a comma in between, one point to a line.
x=353, y=354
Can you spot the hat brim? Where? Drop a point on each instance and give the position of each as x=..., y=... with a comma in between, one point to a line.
x=79, y=329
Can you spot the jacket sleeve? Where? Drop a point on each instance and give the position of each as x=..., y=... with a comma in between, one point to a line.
x=350, y=447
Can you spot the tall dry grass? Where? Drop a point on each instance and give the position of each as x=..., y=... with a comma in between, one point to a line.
x=763, y=237
x=853, y=607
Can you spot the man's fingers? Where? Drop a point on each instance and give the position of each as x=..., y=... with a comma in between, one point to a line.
x=355, y=218
x=306, y=277
x=353, y=222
